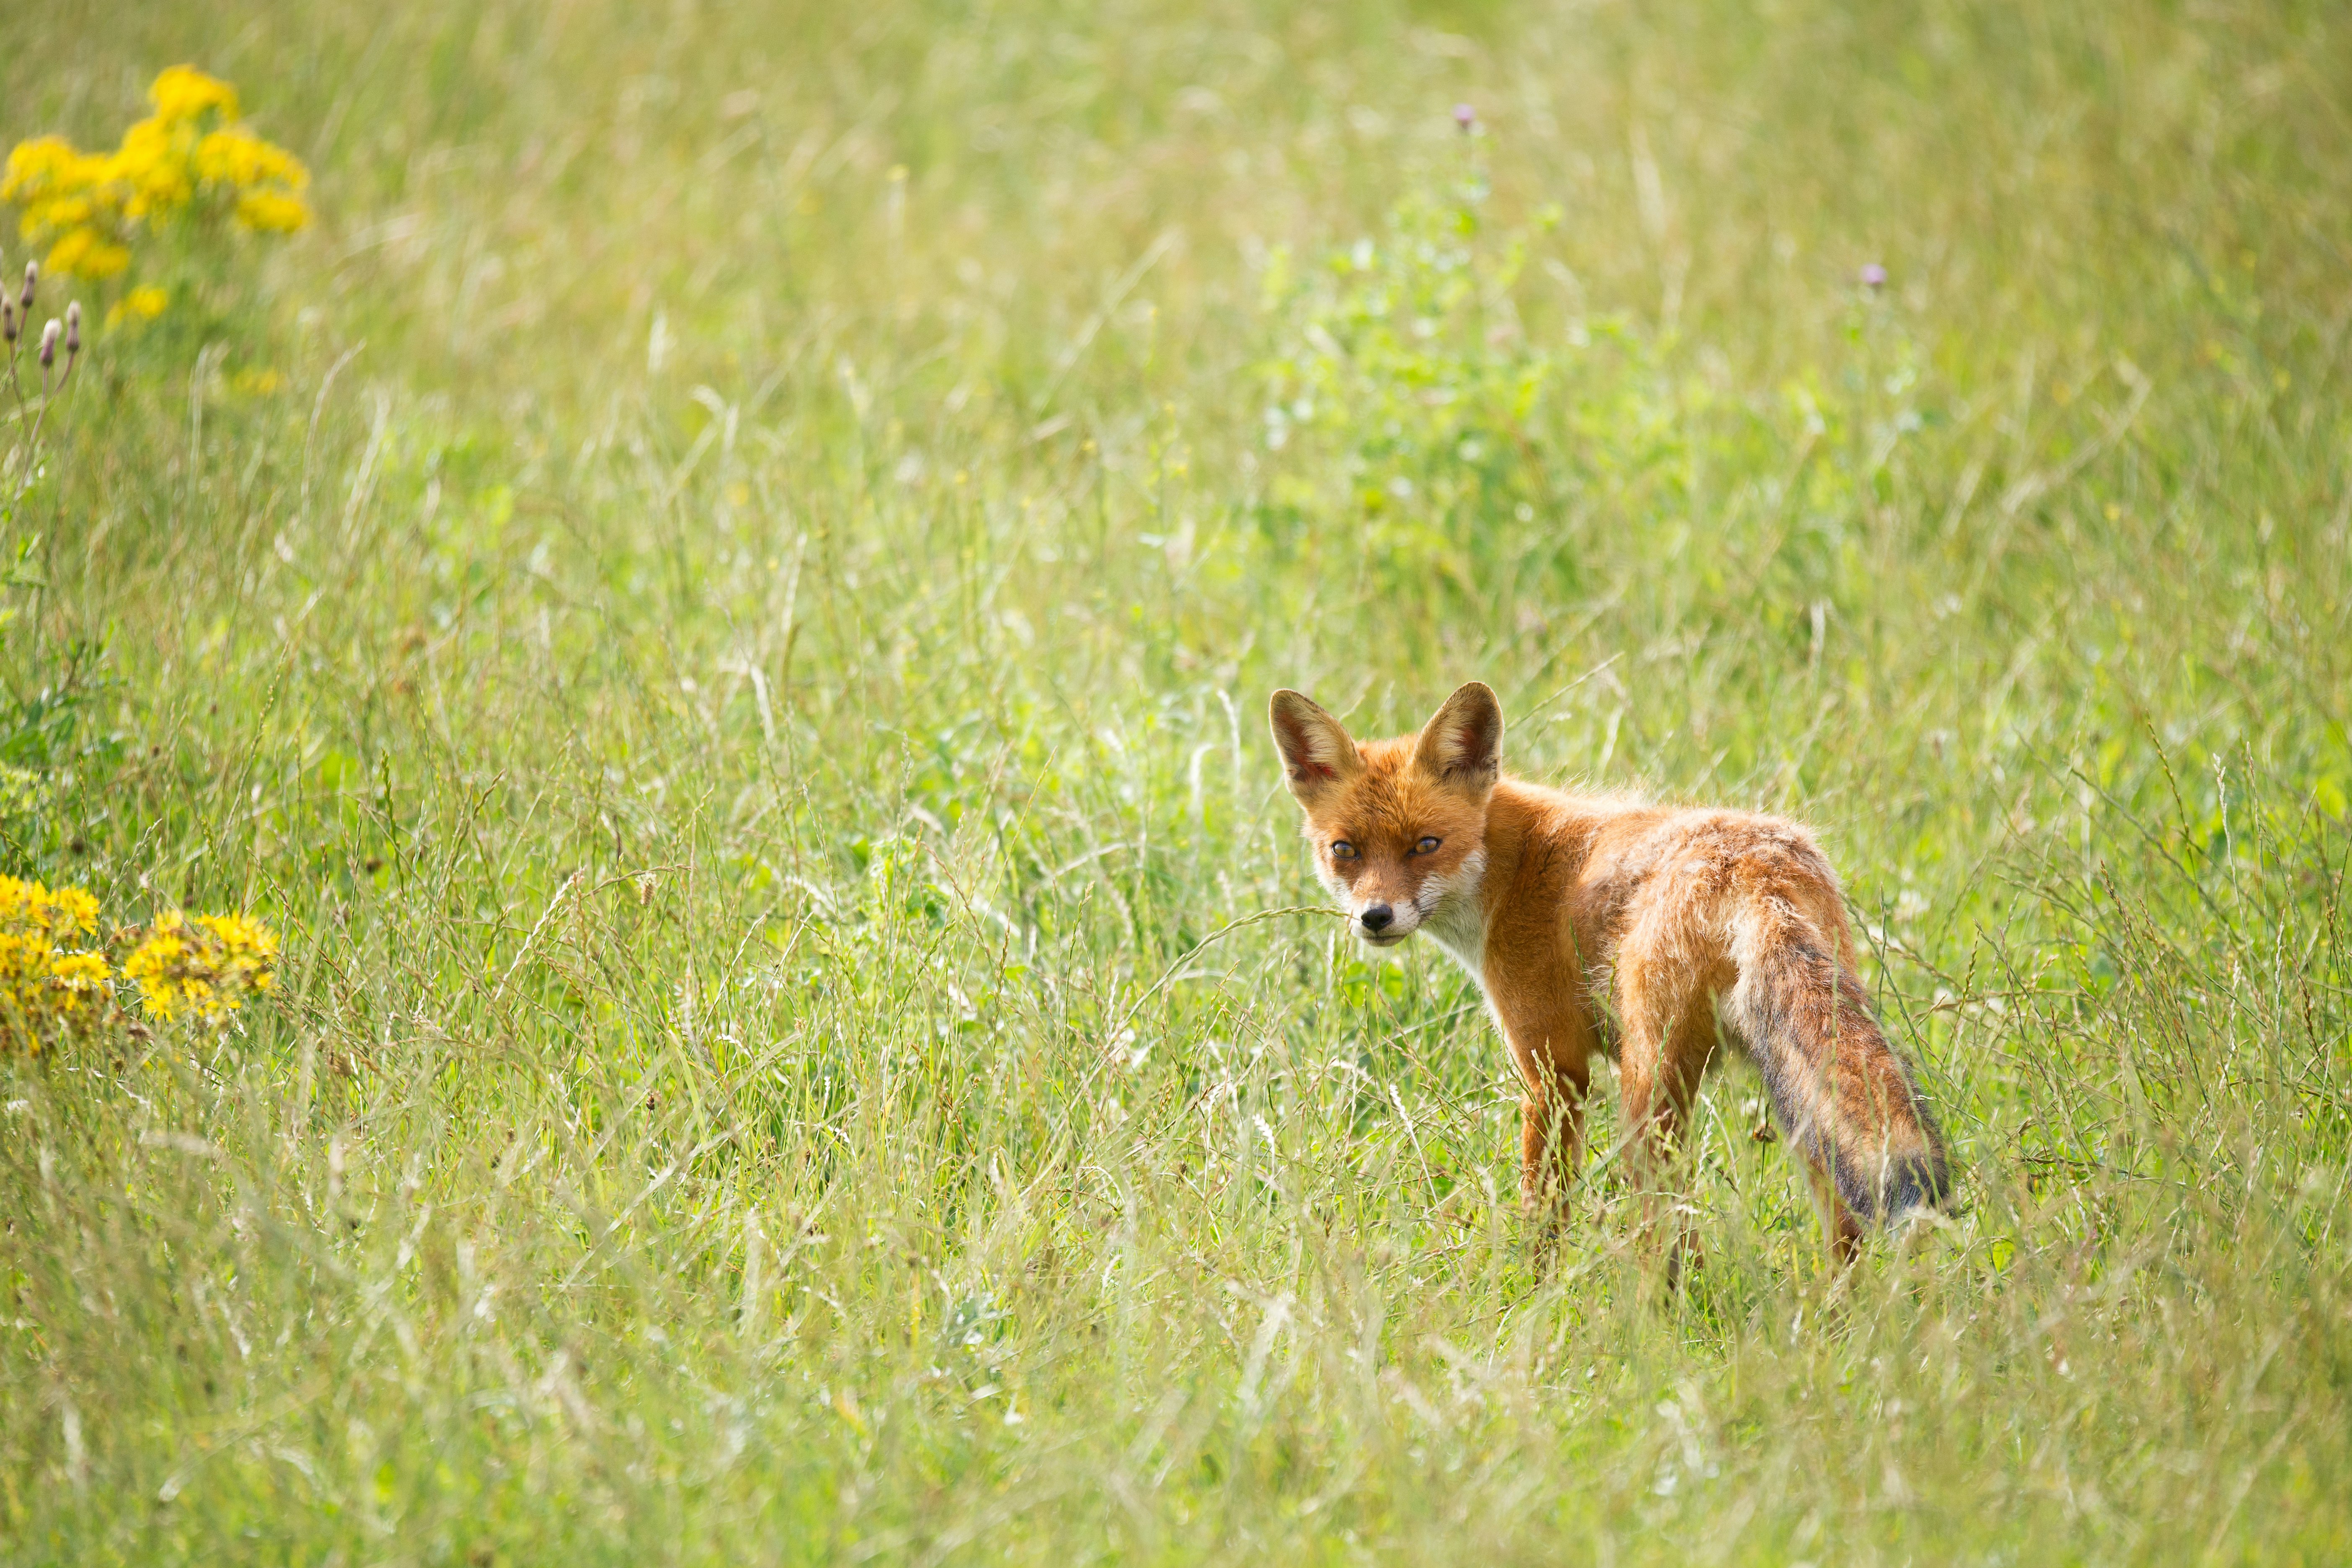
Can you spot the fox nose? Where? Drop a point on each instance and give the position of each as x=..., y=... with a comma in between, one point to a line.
x=1377, y=917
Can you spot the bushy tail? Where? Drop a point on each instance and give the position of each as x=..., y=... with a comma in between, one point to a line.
x=1844, y=1097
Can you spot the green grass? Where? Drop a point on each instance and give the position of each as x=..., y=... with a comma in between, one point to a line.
x=736, y=655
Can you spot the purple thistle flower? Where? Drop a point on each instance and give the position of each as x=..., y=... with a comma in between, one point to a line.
x=1465, y=116
x=1873, y=276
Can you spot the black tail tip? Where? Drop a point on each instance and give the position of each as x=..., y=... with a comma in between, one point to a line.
x=1914, y=1184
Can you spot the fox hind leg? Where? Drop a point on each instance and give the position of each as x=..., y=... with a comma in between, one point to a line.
x=1668, y=1035
x=1840, y=1228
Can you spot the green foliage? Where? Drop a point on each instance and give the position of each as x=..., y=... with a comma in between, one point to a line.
x=1404, y=357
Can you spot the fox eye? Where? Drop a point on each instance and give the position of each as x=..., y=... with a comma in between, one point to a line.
x=1342, y=850
x=1425, y=847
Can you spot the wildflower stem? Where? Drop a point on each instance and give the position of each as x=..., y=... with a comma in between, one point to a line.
x=40, y=422
x=12, y=328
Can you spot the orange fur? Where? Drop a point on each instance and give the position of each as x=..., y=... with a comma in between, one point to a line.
x=1651, y=935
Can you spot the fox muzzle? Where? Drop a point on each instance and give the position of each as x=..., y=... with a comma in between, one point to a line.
x=1383, y=925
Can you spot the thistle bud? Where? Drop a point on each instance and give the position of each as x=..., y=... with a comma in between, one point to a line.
x=73, y=328
x=32, y=276
x=8, y=320
x=49, y=344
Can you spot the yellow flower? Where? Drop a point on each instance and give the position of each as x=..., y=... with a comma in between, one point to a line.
x=152, y=168
x=47, y=166
x=141, y=304
x=271, y=212
x=183, y=92
x=204, y=967
x=235, y=156
x=66, y=212
x=249, y=949
x=86, y=253
x=69, y=195
x=155, y=966
x=77, y=979
x=32, y=164
x=255, y=382
x=30, y=907
x=191, y=153
x=43, y=988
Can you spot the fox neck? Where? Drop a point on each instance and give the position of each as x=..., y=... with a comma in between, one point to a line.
x=1458, y=922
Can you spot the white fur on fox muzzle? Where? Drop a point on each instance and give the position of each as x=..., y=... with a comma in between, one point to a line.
x=1385, y=924
x=1405, y=919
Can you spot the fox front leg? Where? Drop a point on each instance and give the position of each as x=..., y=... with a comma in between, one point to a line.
x=1551, y=1143
x=1552, y=1047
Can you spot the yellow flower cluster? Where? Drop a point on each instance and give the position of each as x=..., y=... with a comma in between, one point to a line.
x=192, y=151
x=198, y=967
x=44, y=985
x=143, y=303
x=202, y=965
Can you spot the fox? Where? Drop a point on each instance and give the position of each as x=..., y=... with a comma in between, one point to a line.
x=1665, y=938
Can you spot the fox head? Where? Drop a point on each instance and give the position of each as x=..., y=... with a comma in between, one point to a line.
x=1398, y=826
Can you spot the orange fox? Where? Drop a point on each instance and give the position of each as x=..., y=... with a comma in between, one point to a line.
x=1651, y=933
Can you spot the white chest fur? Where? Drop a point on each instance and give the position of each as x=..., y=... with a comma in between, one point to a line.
x=1456, y=917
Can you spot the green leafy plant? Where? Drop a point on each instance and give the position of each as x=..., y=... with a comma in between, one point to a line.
x=1413, y=417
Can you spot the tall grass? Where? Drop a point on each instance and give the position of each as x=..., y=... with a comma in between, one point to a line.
x=735, y=652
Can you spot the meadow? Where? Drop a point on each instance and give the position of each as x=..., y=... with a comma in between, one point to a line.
x=720, y=597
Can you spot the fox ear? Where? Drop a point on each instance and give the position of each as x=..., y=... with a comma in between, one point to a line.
x=1463, y=744
x=1316, y=751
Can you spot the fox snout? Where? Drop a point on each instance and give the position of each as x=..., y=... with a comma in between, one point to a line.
x=1388, y=896
x=1385, y=924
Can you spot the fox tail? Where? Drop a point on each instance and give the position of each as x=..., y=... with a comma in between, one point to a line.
x=1844, y=1097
